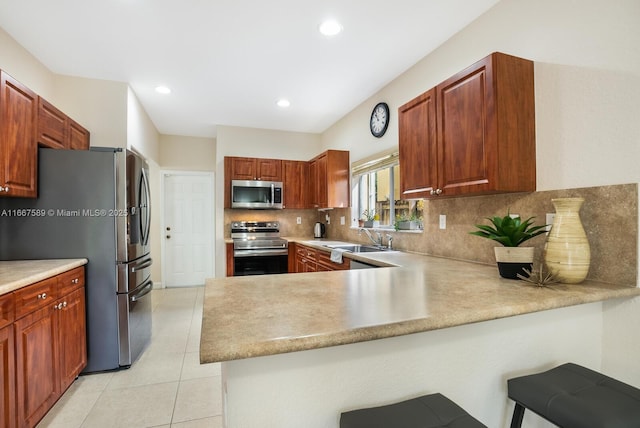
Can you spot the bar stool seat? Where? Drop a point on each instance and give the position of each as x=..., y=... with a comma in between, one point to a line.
x=572, y=396
x=428, y=411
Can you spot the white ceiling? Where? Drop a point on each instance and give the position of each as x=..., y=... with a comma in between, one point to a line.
x=227, y=62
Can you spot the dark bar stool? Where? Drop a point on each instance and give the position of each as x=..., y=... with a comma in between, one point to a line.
x=572, y=396
x=428, y=411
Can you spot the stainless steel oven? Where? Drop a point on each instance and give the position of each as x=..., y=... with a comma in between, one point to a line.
x=258, y=248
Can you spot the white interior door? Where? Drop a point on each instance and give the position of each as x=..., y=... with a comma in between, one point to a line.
x=188, y=256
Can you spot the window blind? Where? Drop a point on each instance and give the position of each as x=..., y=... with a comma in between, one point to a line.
x=375, y=162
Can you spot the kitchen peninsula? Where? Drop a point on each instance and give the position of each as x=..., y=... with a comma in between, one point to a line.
x=299, y=349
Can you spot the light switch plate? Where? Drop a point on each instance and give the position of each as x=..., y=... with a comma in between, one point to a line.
x=342, y=220
x=443, y=221
x=298, y=220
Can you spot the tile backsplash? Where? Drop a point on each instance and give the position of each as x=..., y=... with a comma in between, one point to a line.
x=609, y=216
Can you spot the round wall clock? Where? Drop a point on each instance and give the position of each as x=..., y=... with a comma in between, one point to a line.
x=379, y=120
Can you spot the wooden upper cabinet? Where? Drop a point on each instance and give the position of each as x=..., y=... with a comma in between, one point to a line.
x=295, y=179
x=58, y=131
x=256, y=169
x=418, y=148
x=240, y=168
x=18, y=147
x=329, y=180
x=485, y=132
x=52, y=126
x=79, y=137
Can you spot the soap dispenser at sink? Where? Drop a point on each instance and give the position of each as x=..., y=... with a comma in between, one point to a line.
x=319, y=230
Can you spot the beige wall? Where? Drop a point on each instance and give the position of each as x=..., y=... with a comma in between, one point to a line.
x=587, y=86
x=15, y=60
x=587, y=78
x=187, y=153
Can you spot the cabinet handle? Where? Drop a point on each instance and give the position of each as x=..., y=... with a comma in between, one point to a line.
x=436, y=192
x=42, y=296
x=4, y=189
x=75, y=281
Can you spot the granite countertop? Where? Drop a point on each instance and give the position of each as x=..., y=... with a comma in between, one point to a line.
x=15, y=274
x=247, y=317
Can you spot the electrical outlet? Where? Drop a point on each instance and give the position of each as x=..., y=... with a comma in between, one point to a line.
x=327, y=218
x=342, y=220
x=549, y=220
x=298, y=220
x=443, y=221
x=514, y=215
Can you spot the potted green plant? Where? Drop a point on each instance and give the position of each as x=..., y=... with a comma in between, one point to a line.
x=404, y=222
x=511, y=231
x=371, y=219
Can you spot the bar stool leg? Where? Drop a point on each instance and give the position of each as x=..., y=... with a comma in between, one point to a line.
x=518, y=414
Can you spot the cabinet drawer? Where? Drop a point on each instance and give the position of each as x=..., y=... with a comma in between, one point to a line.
x=324, y=259
x=69, y=281
x=6, y=310
x=306, y=252
x=36, y=296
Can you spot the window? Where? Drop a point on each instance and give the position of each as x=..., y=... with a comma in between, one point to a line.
x=376, y=191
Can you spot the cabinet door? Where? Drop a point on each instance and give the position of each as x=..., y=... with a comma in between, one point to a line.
x=18, y=146
x=269, y=169
x=466, y=130
x=36, y=372
x=52, y=126
x=243, y=168
x=417, y=146
x=295, y=179
x=7, y=378
x=230, y=261
x=71, y=328
x=321, y=181
x=78, y=136
x=313, y=187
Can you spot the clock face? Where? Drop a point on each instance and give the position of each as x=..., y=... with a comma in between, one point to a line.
x=379, y=119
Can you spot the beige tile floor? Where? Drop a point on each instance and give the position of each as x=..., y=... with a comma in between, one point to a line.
x=167, y=386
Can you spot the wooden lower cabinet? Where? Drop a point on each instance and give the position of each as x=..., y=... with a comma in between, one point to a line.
x=311, y=260
x=7, y=378
x=325, y=264
x=72, y=353
x=44, y=349
x=37, y=384
x=230, y=261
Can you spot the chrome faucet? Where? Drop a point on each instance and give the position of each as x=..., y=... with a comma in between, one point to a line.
x=371, y=238
x=389, y=241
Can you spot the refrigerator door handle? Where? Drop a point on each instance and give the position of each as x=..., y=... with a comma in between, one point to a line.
x=145, y=200
x=146, y=289
x=143, y=265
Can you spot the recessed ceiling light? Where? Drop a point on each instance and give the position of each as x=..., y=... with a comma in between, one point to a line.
x=163, y=90
x=330, y=27
x=283, y=103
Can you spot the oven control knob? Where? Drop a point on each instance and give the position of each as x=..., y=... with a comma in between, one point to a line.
x=168, y=236
x=168, y=228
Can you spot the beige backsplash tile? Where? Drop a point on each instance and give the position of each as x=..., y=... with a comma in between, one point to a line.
x=609, y=215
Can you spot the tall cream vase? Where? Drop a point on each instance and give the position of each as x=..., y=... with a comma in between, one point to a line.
x=566, y=252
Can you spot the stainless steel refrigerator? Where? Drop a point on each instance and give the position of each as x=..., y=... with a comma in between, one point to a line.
x=92, y=204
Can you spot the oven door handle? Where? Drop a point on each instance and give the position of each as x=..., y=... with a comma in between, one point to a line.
x=253, y=253
x=146, y=289
x=273, y=194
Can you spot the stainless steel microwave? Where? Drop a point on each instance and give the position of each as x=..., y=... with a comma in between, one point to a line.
x=256, y=194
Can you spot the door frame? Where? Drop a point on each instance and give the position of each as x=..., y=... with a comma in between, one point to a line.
x=164, y=173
